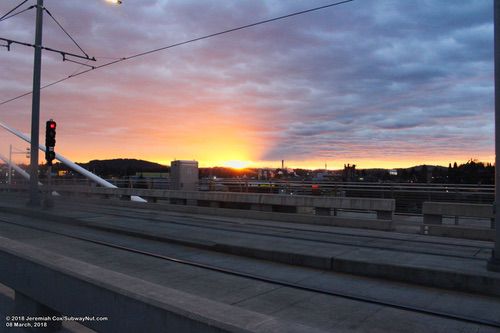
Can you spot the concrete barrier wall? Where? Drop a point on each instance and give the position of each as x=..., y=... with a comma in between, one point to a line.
x=60, y=285
x=456, y=231
x=262, y=207
x=385, y=225
x=372, y=204
x=458, y=209
x=433, y=212
x=384, y=207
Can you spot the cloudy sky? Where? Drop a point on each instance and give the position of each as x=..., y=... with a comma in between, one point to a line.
x=378, y=83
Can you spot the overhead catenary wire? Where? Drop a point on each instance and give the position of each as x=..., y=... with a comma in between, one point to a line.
x=141, y=54
x=64, y=54
x=228, y=31
x=15, y=14
x=4, y=17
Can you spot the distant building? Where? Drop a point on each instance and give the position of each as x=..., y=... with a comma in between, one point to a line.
x=184, y=175
x=265, y=174
x=153, y=174
x=349, y=173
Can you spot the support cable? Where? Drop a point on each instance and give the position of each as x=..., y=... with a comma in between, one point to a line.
x=15, y=14
x=141, y=54
x=67, y=34
x=13, y=9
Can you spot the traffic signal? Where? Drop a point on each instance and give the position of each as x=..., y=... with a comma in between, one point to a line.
x=50, y=141
x=50, y=133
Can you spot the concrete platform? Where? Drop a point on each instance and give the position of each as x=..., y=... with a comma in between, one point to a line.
x=73, y=286
x=132, y=274
x=424, y=260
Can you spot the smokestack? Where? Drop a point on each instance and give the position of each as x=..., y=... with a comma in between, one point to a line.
x=282, y=164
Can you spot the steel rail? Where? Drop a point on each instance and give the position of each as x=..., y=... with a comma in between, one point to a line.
x=201, y=225
x=350, y=296
x=322, y=241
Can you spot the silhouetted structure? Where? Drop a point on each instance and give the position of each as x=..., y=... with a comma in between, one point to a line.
x=349, y=173
x=184, y=175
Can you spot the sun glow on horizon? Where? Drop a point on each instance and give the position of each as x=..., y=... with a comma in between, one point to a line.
x=237, y=164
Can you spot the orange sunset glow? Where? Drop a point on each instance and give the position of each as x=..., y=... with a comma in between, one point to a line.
x=311, y=90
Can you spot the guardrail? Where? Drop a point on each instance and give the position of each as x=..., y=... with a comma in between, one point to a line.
x=326, y=210
x=374, y=213
x=384, y=208
x=409, y=197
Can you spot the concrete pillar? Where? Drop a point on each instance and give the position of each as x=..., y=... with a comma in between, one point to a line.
x=26, y=306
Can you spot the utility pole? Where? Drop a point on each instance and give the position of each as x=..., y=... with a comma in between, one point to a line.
x=494, y=262
x=10, y=165
x=35, y=108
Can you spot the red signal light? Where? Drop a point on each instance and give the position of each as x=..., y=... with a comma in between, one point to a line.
x=52, y=125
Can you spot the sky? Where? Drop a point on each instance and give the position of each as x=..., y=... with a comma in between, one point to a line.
x=377, y=83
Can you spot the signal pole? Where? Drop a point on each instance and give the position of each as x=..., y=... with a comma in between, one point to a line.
x=494, y=262
x=35, y=108
x=10, y=166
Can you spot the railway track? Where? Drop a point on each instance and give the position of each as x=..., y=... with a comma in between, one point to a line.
x=262, y=278
x=284, y=232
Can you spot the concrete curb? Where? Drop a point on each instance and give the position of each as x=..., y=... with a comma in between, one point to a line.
x=75, y=288
x=486, y=283
x=457, y=231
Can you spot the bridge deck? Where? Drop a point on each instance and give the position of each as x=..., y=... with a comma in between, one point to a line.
x=314, y=256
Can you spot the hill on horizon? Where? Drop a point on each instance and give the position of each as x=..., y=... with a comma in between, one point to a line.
x=123, y=166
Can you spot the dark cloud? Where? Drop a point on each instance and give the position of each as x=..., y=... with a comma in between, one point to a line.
x=368, y=78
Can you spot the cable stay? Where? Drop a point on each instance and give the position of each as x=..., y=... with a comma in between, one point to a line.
x=22, y=11
x=67, y=34
x=6, y=15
